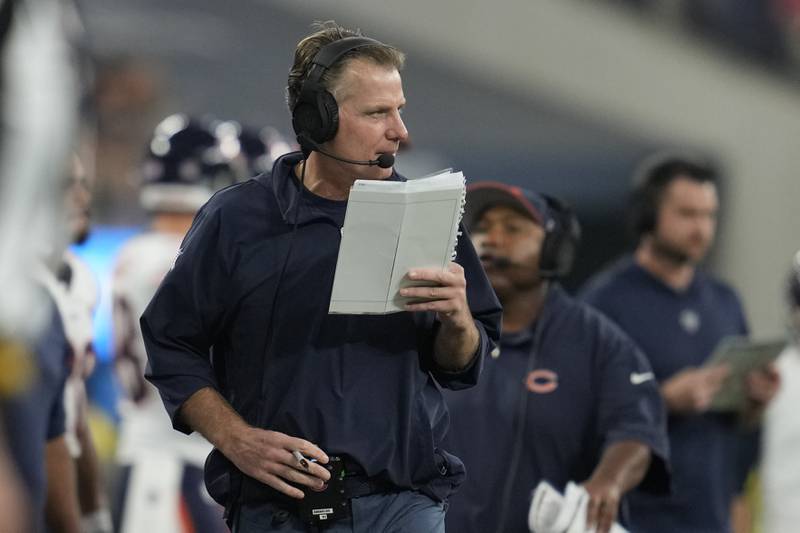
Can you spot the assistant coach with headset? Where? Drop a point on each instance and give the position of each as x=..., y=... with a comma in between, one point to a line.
x=677, y=313
x=567, y=398
x=289, y=390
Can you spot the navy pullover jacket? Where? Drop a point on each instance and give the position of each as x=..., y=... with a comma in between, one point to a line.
x=589, y=388
x=360, y=385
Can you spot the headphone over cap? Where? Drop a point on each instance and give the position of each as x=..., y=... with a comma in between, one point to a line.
x=561, y=226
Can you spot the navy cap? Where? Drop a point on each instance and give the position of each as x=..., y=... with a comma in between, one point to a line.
x=483, y=195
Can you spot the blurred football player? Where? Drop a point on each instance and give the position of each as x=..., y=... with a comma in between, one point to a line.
x=162, y=485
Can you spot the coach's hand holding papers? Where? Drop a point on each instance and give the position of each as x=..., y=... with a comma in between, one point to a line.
x=390, y=229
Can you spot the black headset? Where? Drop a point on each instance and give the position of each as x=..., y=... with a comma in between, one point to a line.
x=643, y=204
x=315, y=115
x=561, y=240
x=652, y=178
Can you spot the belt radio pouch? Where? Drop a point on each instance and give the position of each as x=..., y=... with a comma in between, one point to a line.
x=329, y=504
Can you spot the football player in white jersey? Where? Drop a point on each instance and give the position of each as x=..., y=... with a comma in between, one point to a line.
x=81, y=293
x=186, y=163
x=74, y=288
x=780, y=463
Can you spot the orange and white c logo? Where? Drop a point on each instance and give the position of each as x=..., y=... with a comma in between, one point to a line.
x=542, y=381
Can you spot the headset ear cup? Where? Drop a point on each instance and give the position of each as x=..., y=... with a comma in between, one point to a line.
x=562, y=237
x=643, y=216
x=306, y=119
x=329, y=113
x=547, y=267
x=558, y=253
x=648, y=215
x=318, y=120
x=566, y=255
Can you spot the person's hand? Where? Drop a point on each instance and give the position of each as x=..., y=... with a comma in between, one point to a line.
x=761, y=385
x=445, y=293
x=603, y=506
x=267, y=456
x=691, y=390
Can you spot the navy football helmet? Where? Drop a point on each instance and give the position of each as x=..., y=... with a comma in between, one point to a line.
x=183, y=167
x=249, y=152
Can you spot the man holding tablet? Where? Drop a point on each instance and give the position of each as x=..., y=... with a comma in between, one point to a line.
x=677, y=314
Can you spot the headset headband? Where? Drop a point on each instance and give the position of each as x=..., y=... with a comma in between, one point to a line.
x=327, y=56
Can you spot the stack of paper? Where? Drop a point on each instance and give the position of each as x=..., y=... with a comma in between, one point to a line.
x=389, y=228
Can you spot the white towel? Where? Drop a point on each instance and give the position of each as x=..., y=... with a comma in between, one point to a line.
x=552, y=512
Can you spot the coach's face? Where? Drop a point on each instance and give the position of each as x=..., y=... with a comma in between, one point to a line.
x=509, y=245
x=371, y=100
x=687, y=219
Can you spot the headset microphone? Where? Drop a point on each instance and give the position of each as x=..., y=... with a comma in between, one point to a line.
x=502, y=263
x=383, y=160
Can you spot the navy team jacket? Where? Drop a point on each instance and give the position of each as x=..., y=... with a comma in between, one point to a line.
x=586, y=386
x=245, y=310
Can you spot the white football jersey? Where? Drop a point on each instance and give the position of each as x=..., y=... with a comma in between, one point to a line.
x=780, y=462
x=77, y=311
x=75, y=291
x=141, y=265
